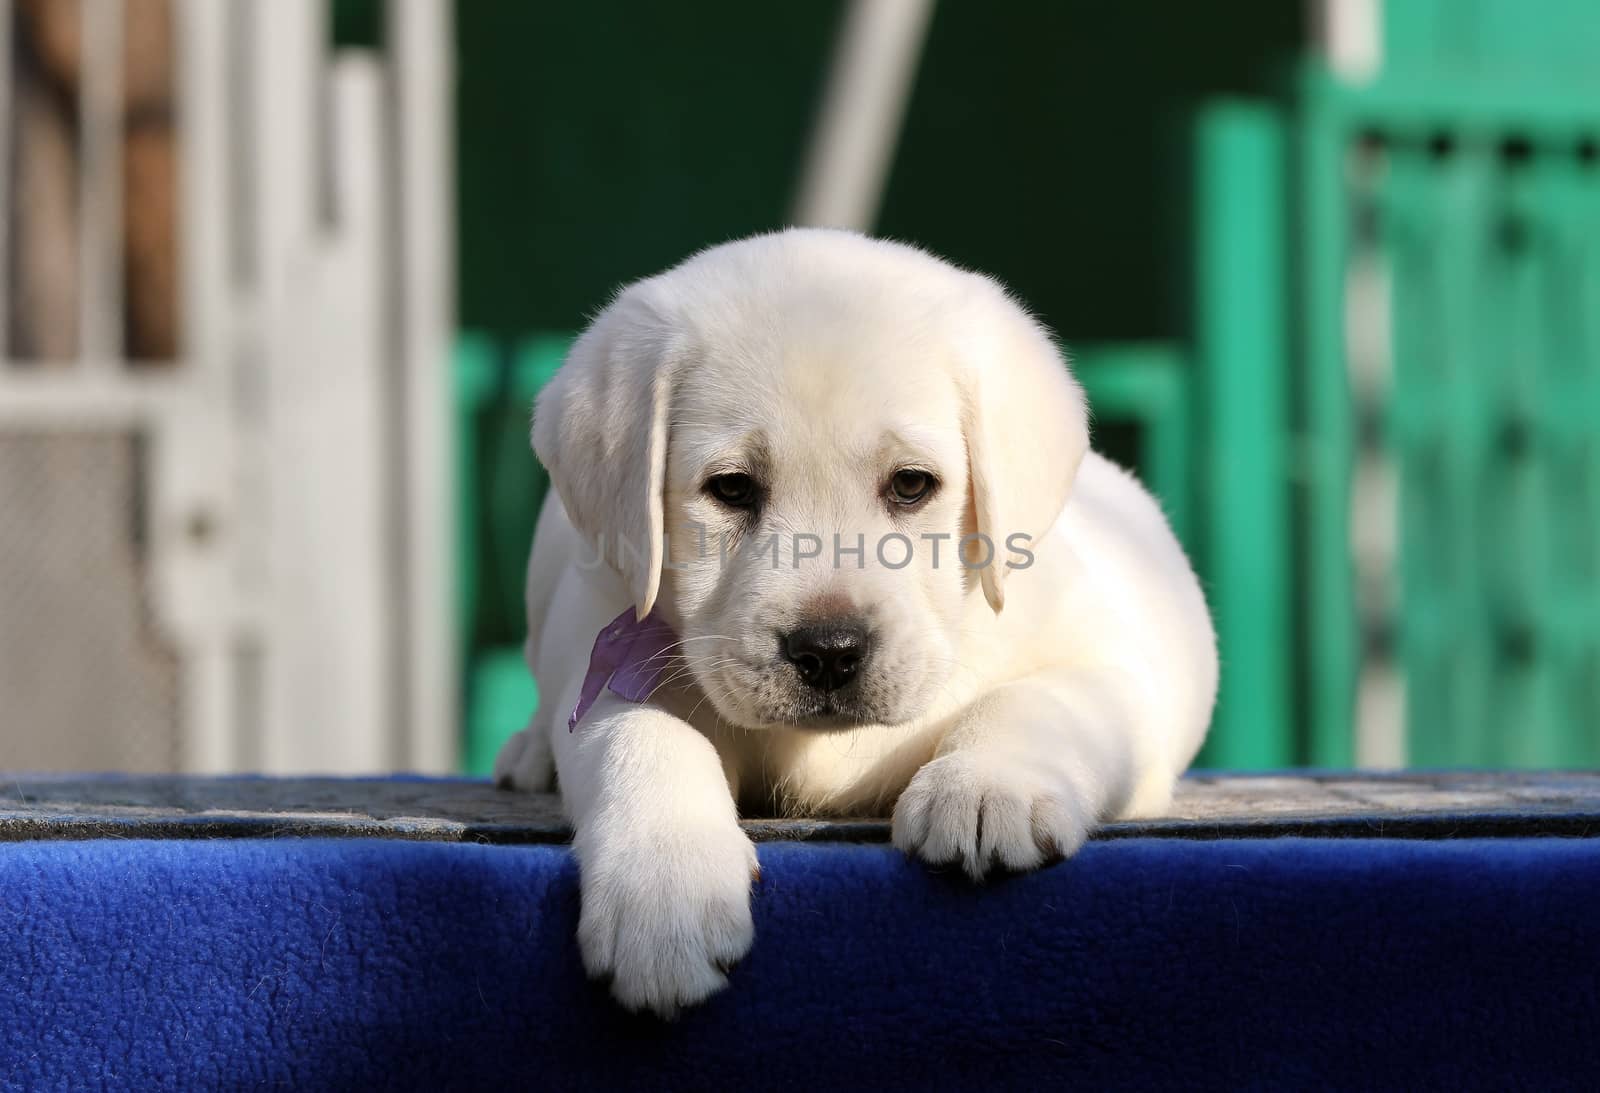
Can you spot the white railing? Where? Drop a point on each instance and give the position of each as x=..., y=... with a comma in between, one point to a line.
x=296, y=463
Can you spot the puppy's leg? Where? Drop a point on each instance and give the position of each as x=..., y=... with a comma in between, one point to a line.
x=1024, y=775
x=665, y=869
x=524, y=761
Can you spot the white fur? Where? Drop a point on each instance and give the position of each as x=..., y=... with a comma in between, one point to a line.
x=1003, y=713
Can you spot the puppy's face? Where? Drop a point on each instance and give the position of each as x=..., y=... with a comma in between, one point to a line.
x=816, y=493
x=781, y=445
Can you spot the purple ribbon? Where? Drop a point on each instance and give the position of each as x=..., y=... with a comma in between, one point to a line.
x=630, y=656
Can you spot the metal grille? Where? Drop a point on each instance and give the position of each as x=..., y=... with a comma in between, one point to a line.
x=89, y=683
x=1454, y=415
x=1494, y=248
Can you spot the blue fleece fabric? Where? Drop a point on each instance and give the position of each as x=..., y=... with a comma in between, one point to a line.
x=1142, y=964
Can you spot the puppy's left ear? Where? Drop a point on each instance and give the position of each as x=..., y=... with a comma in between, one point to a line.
x=600, y=427
x=1026, y=423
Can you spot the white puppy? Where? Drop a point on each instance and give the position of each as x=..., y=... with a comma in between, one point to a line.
x=827, y=463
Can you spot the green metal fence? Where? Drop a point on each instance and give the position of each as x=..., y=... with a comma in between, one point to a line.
x=1478, y=221
x=1432, y=241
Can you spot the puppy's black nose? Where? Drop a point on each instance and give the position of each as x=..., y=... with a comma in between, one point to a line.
x=828, y=654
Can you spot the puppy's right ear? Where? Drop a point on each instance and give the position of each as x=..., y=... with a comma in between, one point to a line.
x=600, y=427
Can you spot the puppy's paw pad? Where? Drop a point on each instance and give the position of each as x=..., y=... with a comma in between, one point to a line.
x=985, y=814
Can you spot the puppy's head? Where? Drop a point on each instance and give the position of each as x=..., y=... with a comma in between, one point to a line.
x=783, y=443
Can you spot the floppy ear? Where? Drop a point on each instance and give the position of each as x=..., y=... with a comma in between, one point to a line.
x=1027, y=429
x=600, y=428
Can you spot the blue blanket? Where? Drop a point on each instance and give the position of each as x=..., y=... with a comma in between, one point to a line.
x=359, y=964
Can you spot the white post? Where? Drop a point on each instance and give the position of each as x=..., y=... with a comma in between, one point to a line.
x=302, y=678
x=863, y=105
x=420, y=37
x=342, y=428
x=1352, y=37
x=329, y=671
x=197, y=526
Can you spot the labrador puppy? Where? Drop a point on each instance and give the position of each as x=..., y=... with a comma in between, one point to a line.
x=848, y=489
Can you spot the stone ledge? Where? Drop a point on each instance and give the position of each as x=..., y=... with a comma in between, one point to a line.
x=1208, y=806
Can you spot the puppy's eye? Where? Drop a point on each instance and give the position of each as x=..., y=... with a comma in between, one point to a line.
x=907, y=487
x=737, y=491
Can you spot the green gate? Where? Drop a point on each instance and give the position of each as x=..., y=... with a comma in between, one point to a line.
x=1436, y=497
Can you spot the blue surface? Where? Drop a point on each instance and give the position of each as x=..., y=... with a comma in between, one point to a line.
x=1142, y=963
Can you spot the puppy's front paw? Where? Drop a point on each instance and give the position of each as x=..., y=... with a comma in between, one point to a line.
x=666, y=913
x=525, y=762
x=985, y=812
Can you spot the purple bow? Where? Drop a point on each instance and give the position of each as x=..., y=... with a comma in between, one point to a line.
x=630, y=655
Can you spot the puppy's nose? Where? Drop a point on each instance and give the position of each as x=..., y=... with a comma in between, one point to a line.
x=828, y=654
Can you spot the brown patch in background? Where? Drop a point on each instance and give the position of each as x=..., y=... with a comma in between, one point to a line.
x=150, y=187
x=45, y=215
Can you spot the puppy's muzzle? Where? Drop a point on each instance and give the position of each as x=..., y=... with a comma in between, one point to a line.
x=828, y=656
